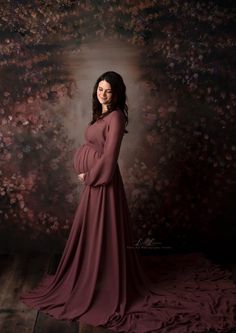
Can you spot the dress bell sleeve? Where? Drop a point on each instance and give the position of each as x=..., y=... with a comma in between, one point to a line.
x=103, y=170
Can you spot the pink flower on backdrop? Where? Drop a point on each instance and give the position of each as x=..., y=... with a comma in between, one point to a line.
x=30, y=180
x=33, y=118
x=7, y=140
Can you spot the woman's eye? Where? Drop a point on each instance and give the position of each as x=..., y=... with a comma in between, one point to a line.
x=109, y=92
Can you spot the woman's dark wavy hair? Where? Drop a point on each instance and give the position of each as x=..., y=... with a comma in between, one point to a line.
x=118, y=97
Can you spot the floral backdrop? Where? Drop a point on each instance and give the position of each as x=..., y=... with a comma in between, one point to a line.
x=180, y=185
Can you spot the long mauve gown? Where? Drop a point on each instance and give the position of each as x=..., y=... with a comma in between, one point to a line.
x=100, y=280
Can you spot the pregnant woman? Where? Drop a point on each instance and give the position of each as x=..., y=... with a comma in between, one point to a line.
x=99, y=279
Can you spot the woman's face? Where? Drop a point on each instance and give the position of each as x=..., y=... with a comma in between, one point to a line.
x=104, y=92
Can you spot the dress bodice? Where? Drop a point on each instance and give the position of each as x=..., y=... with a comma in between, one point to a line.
x=92, y=149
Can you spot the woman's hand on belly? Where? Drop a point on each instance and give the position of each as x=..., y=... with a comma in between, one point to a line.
x=81, y=177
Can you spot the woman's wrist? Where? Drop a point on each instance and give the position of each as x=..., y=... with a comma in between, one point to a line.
x=81, y=177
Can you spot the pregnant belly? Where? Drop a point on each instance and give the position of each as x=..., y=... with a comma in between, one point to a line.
x=85, y=157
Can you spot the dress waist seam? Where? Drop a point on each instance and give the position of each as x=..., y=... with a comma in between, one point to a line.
x=99, y=150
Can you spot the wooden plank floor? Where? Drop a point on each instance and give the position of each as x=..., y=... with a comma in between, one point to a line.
x=21, y=272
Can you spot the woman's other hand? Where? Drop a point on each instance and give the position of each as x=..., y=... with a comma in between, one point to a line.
x=81, y=177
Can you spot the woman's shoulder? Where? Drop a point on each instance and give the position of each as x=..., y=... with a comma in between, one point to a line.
x=115, y=117
x=117, y=114
x=116, y=120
